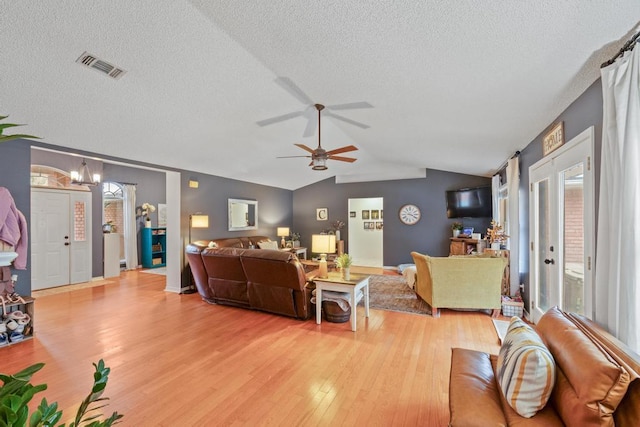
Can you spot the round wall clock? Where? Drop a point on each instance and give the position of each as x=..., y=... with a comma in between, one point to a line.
x=409, y=214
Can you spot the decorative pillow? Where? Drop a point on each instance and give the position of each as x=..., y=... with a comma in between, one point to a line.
x=268, y=244
x=213, y=244
x=526, y=369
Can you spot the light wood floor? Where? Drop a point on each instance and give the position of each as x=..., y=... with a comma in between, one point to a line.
x=177, y=361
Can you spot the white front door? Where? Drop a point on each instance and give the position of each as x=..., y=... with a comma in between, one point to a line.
x=562, y=229
x=60, y=241
x=49, y=239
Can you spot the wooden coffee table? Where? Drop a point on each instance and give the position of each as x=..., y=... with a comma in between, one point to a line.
x=335, y=282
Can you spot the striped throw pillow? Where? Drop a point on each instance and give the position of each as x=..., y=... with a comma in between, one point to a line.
x=526, y=369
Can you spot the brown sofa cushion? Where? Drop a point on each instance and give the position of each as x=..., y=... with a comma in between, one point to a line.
x=581, y=399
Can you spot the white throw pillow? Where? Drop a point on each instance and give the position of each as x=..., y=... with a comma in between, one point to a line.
x=526, y=371
x=268, y=244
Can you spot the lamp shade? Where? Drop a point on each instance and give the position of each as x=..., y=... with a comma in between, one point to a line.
x=199, y=221
x=323, y=243
x=282, y=231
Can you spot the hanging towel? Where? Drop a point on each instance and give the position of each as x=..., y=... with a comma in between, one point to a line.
x=13, y=228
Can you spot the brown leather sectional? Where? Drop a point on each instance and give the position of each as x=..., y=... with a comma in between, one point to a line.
x=259, y=279
x=597, y=380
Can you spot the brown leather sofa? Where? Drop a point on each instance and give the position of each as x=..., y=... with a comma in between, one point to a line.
x=259, y=279
x=597, y=380
x=234, y=242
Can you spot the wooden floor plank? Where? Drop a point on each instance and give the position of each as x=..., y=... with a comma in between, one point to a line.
x=176, y=360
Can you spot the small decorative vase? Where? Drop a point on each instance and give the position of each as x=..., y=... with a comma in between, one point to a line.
x=147, y=223
x=296, y=243
x=337, y=236
x=346, y=274
x=495, y=246
x=456, y=233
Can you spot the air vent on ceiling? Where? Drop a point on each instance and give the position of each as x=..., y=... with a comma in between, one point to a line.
x=89, y=60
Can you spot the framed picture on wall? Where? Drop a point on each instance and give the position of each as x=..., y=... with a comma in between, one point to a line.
x=322, y=214
x=379, y=225
x=375, y=214
x=352, y=214
x=162, y=215
x=365, y=214
x=368, y=225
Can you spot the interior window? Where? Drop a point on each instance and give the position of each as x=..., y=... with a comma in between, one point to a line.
x=112, y=208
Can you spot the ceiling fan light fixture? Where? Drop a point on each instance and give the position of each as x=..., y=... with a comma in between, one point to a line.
x=319, y=164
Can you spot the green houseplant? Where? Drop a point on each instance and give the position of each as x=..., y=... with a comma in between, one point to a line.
x=456, y=227
x=344, y=262
x=5, y=138
x=17, y=391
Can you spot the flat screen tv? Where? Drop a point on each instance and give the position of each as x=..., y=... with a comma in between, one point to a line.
x=469, y=203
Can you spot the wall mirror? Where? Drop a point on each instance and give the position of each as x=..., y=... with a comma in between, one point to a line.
x=243, y=214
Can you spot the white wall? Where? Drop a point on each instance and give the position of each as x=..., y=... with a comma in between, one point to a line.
x=365, y=246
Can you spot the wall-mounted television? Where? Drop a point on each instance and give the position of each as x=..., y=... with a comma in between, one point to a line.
x=469, y=203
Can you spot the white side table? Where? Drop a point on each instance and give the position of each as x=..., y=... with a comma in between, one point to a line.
x=335, y=282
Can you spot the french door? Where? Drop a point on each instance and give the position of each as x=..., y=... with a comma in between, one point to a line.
x=562, y=229
x=60, y=238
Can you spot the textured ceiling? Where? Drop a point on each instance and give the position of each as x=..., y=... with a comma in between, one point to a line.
x=456, y=86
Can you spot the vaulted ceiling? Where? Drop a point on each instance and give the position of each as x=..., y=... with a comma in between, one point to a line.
x=457, y=86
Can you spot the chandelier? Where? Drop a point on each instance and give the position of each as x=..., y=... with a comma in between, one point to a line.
x=84, y=176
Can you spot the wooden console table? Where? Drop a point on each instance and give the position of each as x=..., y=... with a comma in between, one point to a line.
x=464, y=246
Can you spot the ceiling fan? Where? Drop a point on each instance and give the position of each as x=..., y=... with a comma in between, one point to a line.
x=319, y=156
x=288, y=85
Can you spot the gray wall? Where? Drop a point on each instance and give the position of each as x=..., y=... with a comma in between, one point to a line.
x=431, y=235
x=151, y=187
x=210, y=198
x=584, y=112
x=15, y=163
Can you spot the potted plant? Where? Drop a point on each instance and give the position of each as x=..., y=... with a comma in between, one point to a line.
x=17, y=391
x=295, y=238
x=496, y=235
x=5, y=138
x=147, y=208
x=344, y=262
x=457, y=228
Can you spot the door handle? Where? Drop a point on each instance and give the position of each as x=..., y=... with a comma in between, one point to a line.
x=549, y=261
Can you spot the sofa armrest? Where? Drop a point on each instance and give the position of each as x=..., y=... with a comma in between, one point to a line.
x=474, y=397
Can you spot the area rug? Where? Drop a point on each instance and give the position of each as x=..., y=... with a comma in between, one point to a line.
x=501, y=328
x=392, y=293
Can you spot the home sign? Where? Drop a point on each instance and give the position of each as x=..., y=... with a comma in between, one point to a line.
x=554, y=139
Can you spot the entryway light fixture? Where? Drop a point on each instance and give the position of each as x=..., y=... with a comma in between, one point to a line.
x=84, y=177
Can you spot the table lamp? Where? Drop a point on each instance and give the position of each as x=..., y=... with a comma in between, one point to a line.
x=323, y=244
x=197, y=221
x=283, y=232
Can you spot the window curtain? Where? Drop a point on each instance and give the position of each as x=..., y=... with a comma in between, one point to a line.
x=130, y=227
x=618, y=241
x=495, y=198
x=513, y=230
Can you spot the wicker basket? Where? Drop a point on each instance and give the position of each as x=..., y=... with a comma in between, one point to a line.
x=512, y=308
x=333, y=312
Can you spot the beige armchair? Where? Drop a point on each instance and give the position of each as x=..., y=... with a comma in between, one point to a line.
x=459, y=282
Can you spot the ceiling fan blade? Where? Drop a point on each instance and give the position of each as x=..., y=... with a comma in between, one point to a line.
x=342, y=150
x=304, y=147
x=310, y=129
x=287, y=84
x=290, y=157
x=343, y=159
x=281, y=118
x=346, y=120
x=350, y=106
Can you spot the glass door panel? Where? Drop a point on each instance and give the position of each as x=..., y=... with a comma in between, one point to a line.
x=544, y=296
x=574, y=231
